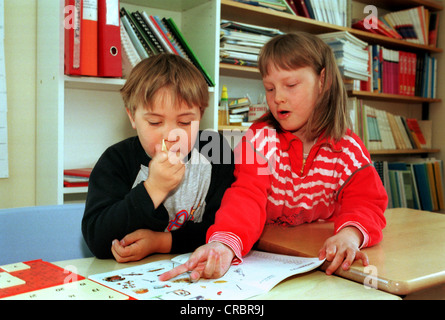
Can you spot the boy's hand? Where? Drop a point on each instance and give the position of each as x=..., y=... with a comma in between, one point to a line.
x=209, y=261
x=139, y=244
x=166, y=172
x=343, y=249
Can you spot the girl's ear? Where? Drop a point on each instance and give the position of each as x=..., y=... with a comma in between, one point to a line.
x=321, y=81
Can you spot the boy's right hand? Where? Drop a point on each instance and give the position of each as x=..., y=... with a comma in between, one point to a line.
x=166, y=172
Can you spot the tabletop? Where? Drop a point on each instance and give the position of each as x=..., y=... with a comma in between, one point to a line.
x=314, y=285
x=411, y=256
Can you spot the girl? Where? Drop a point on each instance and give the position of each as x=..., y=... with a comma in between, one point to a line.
x=297, y=164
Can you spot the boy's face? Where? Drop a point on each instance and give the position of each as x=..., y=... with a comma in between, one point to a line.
x=177, y=124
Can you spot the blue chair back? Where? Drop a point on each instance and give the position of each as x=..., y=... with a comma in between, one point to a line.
x=50, y=233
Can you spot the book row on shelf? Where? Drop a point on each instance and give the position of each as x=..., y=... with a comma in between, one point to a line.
x=400, y=72
x=373, y=68
x=241, y=43
x=417, y=25
x=333, y=11
x=382, y=130
x=414, y=183
x=145, y=35
x=115, y=49
x=92, y=38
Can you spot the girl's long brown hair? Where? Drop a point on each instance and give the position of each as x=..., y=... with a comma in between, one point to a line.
x=297, y=50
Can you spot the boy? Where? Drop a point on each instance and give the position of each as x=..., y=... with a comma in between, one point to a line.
x=158, y=191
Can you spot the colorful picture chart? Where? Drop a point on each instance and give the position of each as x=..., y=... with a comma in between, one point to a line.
x=259, y=273
x=40, y=280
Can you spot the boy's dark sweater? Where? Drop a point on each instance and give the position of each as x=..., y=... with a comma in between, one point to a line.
x=115, y=209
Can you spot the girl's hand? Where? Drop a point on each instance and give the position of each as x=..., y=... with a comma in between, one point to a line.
x=209, y=261
x=139, y=244
x=343, y=249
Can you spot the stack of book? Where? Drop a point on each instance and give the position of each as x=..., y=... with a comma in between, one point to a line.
x=414, y=183
x=382, y=130
x=241, y=43
x=350, y=53
x=239, y=110
x=416, y=25
x=76, y=177
x=146, y=35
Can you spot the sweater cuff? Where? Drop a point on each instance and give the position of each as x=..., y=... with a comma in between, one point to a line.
x=359, y=227
x=232, y=241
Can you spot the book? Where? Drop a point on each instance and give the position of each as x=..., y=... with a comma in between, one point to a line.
x=134, y=37
x=259, y=273
x=412, y=24
x=413, y=183
x=403, y=73
x=278, y=5
x=80, y=172
x=41, y=280
x=382, y=29
x=76, y=177
x=150, y=30
x=433, y=29
x=350, y=53
x=91, y=40
x=151, y=35
x=109, y=47
x=240, y=43
x=130, y=55
x=382, y=130
x=142, y=38
x=81, y=37
x=333, y=12
x=171, y=25
x=416, y=131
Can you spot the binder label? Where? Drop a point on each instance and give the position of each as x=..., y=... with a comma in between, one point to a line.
x=90, y=10
x=112, y=12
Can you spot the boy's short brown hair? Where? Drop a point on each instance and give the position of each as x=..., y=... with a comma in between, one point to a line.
x=301, y=49
x=169, y=71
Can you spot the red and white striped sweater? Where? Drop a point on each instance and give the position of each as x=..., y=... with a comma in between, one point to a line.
x=274, y=184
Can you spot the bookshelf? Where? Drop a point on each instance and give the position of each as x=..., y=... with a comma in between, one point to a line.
x=78, y=117
x=286, y=22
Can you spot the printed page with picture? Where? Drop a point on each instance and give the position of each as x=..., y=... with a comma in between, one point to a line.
x=258, y=274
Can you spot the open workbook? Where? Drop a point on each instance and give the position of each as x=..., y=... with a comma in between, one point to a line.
x=258, y=274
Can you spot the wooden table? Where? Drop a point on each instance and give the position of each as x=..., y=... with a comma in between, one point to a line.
x=311, y=285
x=411, y=256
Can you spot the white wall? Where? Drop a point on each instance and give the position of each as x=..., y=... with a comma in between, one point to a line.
x=20, y=56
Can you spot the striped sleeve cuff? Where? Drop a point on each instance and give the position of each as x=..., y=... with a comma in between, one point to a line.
x=358, y=226
x=232, y=241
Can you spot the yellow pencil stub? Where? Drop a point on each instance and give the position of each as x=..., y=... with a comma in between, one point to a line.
x=164, y=147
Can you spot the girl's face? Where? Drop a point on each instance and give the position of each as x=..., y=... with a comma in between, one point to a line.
x=178, y=125
x=291, y=96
